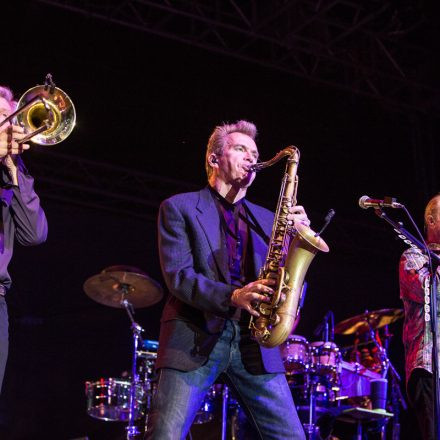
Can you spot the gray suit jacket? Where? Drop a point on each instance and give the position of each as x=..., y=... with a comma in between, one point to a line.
x=194, y=263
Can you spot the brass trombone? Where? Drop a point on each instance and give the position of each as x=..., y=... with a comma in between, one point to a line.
x=46, y=112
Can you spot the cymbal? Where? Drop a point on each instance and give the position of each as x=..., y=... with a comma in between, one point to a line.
x=368, y=320
x=116, y=283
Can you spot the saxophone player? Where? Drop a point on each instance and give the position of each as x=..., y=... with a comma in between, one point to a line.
x=211, y=244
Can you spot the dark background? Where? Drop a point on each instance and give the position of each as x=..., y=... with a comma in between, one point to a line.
x=146, y=106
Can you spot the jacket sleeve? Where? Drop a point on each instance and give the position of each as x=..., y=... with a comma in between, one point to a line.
x=176, y=252
x=28, y=216
x=413, y=273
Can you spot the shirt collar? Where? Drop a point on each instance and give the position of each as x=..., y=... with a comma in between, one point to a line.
x=225, y=203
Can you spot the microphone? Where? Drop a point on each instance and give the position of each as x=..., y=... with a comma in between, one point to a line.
x=366, y=202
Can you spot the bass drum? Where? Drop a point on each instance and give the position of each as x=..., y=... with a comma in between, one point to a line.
x=109, y=400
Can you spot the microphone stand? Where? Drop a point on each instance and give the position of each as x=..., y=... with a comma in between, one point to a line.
x=397, y=399
x=434, y=262
x=332, y=326
x=323, y=328
x=325, y=336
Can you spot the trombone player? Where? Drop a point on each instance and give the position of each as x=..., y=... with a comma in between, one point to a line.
x=22, y=217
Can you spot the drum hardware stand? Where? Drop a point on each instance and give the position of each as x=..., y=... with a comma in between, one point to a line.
x=225, y=397
x=132, y=429
x=431, y=293
x=311, y=428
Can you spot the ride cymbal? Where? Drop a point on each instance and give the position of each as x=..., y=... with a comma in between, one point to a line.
x=116, y=283
x=368, y=321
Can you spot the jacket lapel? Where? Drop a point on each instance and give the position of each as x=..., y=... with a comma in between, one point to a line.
x=209, y=219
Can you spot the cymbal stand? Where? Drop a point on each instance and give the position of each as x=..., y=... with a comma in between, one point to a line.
x=132, y=429
x=311, y=428
x=383, y=356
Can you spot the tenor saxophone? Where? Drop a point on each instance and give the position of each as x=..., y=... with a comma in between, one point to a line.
x=290, y=252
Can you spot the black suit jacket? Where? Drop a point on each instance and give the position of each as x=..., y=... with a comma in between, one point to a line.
x=194, y=263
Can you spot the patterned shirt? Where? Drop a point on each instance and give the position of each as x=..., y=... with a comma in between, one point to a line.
x=414, y=292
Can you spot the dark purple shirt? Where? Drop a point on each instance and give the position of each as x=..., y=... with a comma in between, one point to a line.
x=23, y=218
x=234, y=224
x=233, y=217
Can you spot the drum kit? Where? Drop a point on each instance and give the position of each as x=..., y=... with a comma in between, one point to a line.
x=129, y=400
x=324, y=379
x=119, y=399
x=347, y=384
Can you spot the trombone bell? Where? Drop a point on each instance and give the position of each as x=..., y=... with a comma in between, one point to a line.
x=51, y=116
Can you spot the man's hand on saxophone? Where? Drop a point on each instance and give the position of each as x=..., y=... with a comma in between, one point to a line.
x=297, y=214
x=250, y=294
x=253, y=293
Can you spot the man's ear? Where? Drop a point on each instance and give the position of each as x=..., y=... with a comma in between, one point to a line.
x=213, y=160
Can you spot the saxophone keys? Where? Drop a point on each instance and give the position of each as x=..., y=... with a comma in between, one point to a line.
x=265, y=309
x=284, y=294
x=275, y=319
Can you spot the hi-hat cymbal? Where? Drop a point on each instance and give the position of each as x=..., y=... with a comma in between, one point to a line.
x=368, y=321
x=116, y=283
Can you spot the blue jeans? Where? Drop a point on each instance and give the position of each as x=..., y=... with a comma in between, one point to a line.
x=267, y=397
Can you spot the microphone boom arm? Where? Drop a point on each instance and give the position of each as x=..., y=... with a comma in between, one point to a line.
x=406, y=236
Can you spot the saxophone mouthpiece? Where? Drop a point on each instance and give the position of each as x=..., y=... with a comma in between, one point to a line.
x=256, y=167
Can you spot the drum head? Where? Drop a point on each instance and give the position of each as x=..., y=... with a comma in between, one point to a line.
x=295, y=354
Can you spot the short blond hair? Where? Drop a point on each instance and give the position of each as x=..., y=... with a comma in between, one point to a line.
x=218, y=138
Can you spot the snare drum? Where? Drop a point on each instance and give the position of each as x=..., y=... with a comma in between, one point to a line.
x=109, y=399
x=295, y=354
x=325, y=357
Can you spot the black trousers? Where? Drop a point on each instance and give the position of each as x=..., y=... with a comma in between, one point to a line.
x=421, y=398
x=4, y=337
